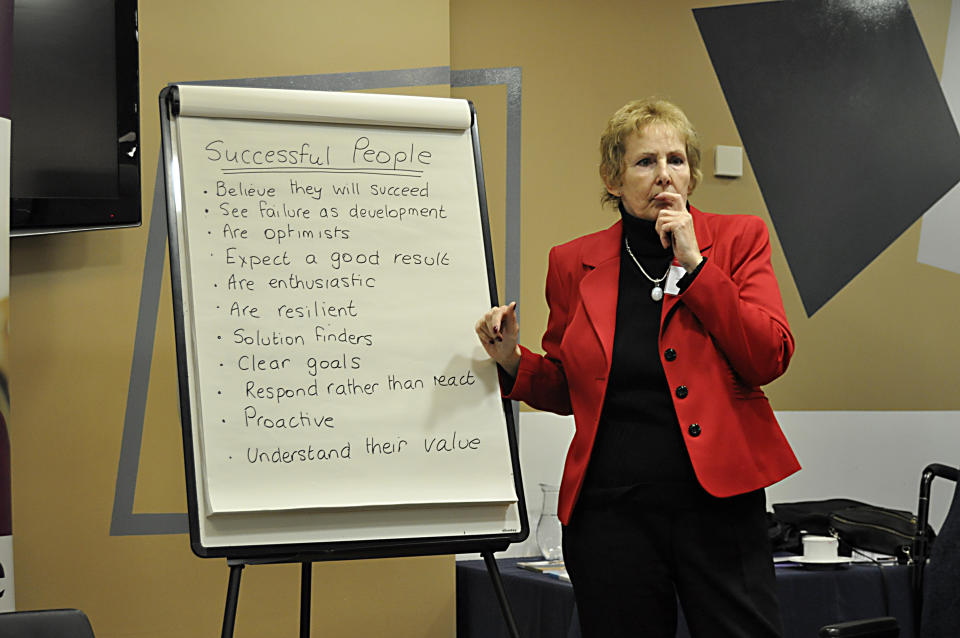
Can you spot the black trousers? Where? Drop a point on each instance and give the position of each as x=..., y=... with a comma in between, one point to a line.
x=630, y=560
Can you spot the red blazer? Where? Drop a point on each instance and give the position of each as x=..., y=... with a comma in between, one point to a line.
x=722, y=338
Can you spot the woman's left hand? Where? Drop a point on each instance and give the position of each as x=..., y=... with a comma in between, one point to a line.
x=675, y=226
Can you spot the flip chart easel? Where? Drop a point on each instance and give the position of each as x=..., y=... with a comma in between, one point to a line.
x=329, y=255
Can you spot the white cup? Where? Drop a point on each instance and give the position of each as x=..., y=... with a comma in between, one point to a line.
x=819, y=548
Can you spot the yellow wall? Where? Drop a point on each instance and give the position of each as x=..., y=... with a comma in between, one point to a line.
x=75, y=297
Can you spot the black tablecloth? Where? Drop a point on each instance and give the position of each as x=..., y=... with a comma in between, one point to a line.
x=543, y=607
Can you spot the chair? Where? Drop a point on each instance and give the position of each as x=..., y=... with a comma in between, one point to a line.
x=935, y=578
x=46, y=623
x=939, y=586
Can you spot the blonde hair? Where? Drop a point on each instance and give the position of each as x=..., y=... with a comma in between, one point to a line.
x=634, y=117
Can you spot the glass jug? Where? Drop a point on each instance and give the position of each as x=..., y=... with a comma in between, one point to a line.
x=549, y=536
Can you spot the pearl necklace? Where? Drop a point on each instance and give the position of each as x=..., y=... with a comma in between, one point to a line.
x=657, y=293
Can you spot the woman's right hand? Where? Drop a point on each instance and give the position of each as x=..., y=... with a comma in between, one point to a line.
x=499, y=333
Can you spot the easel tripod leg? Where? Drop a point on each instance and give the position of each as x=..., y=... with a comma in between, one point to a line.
x=494, y=572
x=306, y=574
x=233, y=595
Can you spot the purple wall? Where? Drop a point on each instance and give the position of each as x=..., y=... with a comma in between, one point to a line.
x=6, y=53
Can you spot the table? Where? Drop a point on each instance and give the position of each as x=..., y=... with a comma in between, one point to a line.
x=544, y=607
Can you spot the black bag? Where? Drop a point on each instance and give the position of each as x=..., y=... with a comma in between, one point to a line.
x=812, y=517
x=856, y=524
x=877, y=529
x=784, y=537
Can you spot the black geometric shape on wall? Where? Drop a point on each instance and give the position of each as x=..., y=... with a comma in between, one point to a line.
x=843, y=119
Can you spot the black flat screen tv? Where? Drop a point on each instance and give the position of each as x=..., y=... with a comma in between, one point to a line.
x=74, y=111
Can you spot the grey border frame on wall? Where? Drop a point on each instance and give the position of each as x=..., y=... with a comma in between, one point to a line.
x=388, y=546
x=125, y=521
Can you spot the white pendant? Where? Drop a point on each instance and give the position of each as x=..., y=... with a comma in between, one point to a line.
x=657, y=293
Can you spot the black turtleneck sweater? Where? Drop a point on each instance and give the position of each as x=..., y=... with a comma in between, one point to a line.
x=639, y=448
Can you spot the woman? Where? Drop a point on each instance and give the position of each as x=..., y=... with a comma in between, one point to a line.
x=661, y=330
